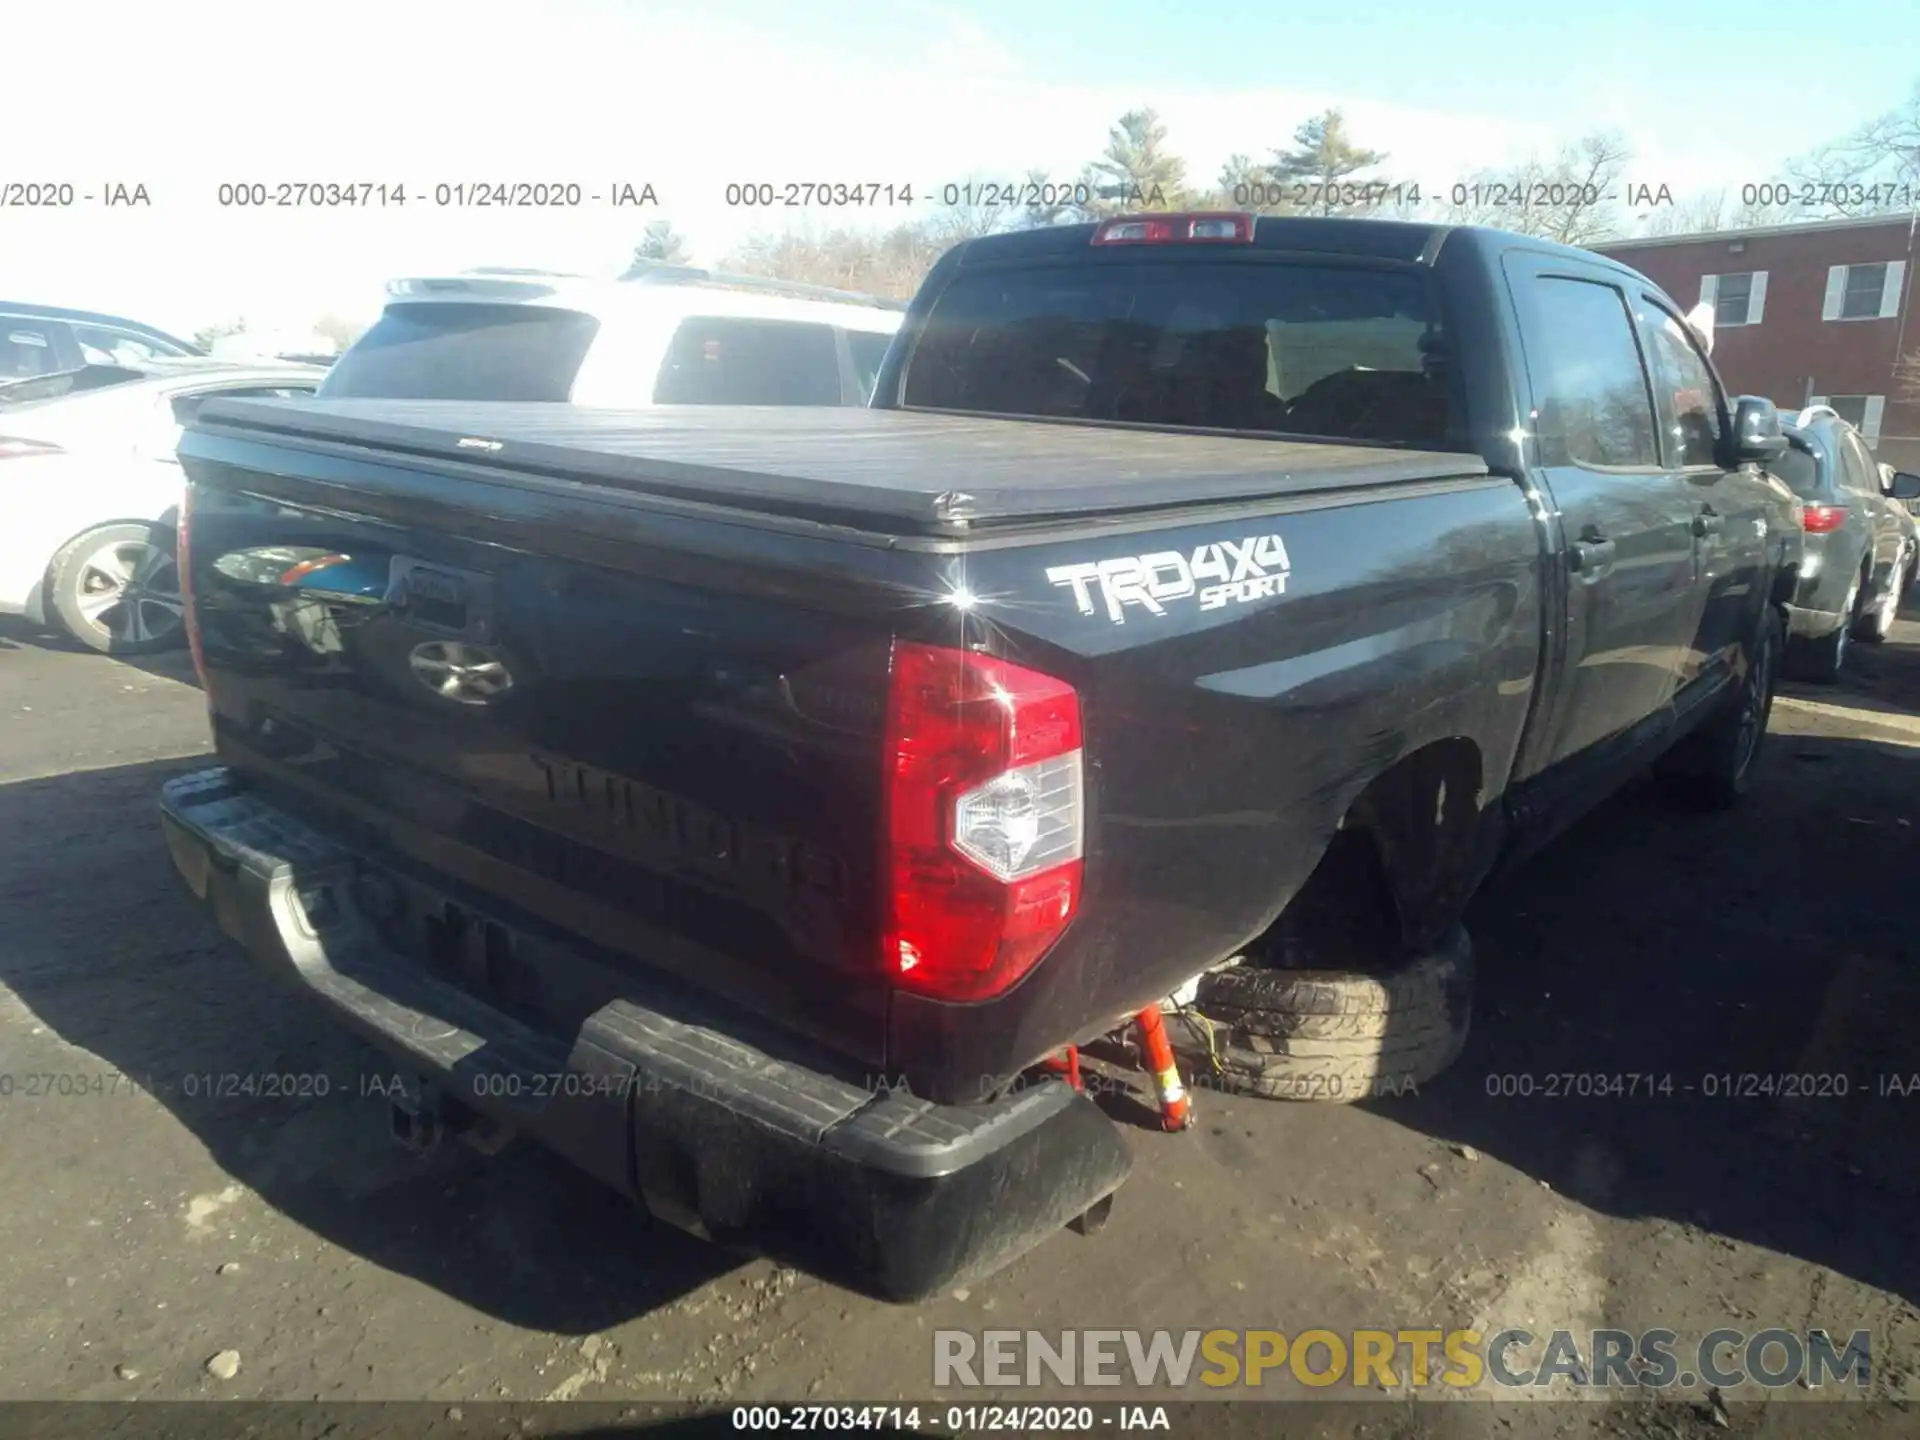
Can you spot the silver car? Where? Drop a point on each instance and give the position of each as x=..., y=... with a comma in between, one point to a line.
x=1860, y=545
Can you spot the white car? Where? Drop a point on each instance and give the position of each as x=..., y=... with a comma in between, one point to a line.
x=671, y=336
x=91, y=485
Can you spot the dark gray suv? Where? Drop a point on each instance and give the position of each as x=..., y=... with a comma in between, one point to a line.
x=1859, y=543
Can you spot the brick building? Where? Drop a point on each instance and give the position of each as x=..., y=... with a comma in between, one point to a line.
x=1804, y=313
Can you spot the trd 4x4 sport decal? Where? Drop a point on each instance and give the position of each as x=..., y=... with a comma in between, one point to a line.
x=1229, y=573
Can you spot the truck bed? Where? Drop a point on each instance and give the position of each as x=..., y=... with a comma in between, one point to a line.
x=900, y=472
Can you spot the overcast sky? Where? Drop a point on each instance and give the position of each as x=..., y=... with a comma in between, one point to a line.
x=182, y=95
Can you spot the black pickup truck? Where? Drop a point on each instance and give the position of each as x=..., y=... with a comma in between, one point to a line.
x=749, y=804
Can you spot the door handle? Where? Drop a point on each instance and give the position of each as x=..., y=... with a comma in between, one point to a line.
x=1592, y=551
x=1708, y=522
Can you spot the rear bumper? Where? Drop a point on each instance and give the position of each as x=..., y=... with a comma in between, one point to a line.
x=1804, y=622
x=735, y=1141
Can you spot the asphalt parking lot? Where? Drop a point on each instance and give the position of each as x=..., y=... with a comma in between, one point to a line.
x=148, y=1226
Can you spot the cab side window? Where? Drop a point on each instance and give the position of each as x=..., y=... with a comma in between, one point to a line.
x=1693, y=402
x=1590, y=385
x=1859, y=472
x=27, y=349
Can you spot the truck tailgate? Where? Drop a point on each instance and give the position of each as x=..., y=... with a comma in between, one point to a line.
x=673, y=752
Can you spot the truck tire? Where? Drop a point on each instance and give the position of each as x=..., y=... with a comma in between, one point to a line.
x=1714, y=766
x=1329, y=1035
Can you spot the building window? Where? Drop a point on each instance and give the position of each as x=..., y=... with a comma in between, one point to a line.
x=1863, y=412
x=1736, y=299
x=1861, y=298
x=1864, y=292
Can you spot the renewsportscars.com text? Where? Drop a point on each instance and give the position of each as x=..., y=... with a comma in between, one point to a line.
x=1512, y=1359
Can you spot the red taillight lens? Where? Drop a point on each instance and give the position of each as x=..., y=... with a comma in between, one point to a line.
x=1823, y=519
x=14, y=447
x=189, y=611
x=985, y=820
x=1203, y=227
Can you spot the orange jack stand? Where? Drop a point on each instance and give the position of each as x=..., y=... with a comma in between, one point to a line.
x=1067, y=1064
x=1176, y=1106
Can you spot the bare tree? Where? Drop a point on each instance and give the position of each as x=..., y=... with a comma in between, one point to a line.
x=889, y=263
x=1907, y=375
x=204, y=338
x=1569, y=198
x=1710, y=211
x=981, y=206
x=341, y=331
x=1875, y=170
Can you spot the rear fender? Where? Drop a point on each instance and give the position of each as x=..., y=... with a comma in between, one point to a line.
x=1426, y=817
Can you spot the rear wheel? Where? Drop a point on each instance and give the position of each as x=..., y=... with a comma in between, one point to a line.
x=1822, y=659
x=1715, y=765
x=1877, y=623
x=117, y=590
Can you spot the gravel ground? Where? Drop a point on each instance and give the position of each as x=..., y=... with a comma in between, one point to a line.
x=165, y=1244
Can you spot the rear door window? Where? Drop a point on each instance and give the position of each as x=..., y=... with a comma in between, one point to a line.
x=1860, y=471
x=1590, y=385
x=448, y=351
x=718, y=360
x=27, y=348
x=1278, y=347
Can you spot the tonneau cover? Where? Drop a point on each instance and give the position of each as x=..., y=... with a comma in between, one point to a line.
x=904, y=471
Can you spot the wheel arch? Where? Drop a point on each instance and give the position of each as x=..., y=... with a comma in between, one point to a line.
x=1416, y=841
x=167, y=520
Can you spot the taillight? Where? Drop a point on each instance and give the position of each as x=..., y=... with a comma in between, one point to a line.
x=189, y=612
x=1204, y=226
x=985, y=820
x=14, y=447
x=1823, y=519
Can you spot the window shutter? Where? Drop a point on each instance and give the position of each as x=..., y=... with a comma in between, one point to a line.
x=1890, y=293
x=1870, y=421
x=1836, y=291
x=1757, y=298
x=1709, y=289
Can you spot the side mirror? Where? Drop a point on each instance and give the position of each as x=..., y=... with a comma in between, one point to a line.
x=1906, y=485
x=1757, y=438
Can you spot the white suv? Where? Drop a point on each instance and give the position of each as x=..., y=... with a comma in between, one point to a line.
x=672, y=336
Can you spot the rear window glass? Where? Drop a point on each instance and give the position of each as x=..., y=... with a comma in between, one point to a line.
x=722, y=361
x=1345, y=352
x=465, y=352
x=1798, y=468
x=869, y=349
